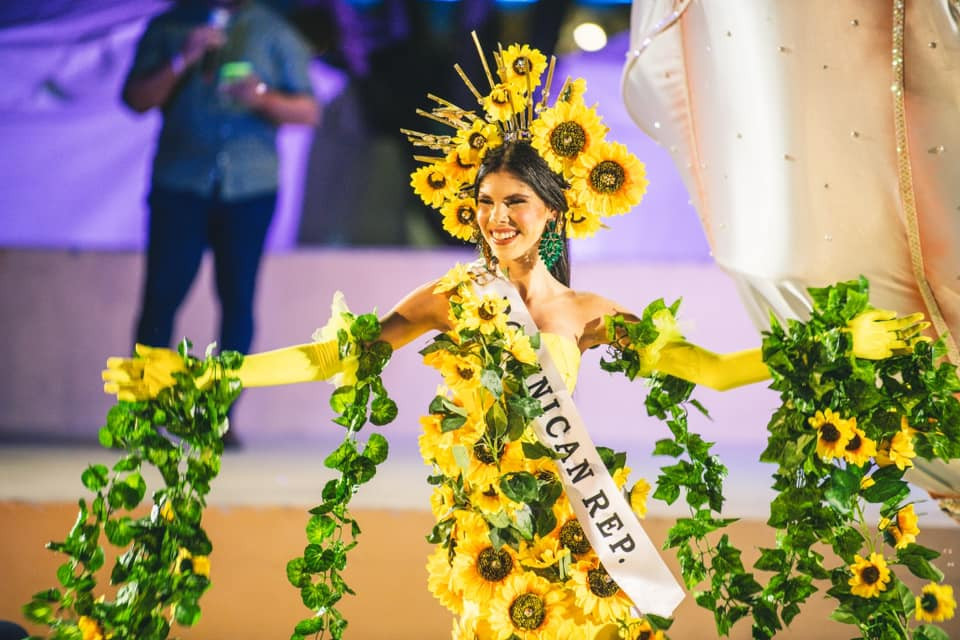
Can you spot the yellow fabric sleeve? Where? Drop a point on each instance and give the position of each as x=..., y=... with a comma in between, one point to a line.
x=299, y=363
x=717, y=371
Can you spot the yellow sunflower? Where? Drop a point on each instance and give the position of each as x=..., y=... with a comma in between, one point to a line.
x=860, y=448
x=518, y=344
x=572, y=537
x=502, y=103
x=187, y=562
x=542, y=552
x=486, y=314
x=573, y=90
x=833, y=433
x=438, y=581
x=609, y=178
x=870, y=576
x=487, y=466
x=461, y=171
x=638, y=497
x=432, y=184
x=935, y=603
x=565, y=132
x=470, y=525
x=581, y=223
x=460, y=218
x=528, y=606
x=639, y=629
x=596, y=593
x=471, y=625
x=458, y=275
x=441, y=502
x=166, y=511
x=461, y=374
x=480, y=570
x=473, y=143
x=904, y=528
x=899, y=450
x=90, y=628
x=522, y=67
x=489, y=500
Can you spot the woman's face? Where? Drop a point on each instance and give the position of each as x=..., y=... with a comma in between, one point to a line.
x=511, y=217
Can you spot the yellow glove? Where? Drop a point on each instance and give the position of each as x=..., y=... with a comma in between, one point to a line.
x=143, y=377
x=876, y=334
x=879, y=334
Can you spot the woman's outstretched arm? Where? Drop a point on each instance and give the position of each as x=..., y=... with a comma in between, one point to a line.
x=152, y=370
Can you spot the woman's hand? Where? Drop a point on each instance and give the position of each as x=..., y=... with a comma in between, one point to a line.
x=142, y=377
x=879, y=333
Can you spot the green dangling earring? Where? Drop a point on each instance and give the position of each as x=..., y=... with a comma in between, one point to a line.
x=551, y=245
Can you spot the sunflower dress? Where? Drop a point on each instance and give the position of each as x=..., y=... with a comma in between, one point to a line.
x=549, y=587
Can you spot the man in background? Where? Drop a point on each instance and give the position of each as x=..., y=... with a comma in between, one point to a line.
x=225, y=74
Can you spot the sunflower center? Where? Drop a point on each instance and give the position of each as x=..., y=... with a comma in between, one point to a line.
x=527, y=611
x=855, y=443
x=436, y=180
x=483, y=453
x=477, y=141
x=607, y=177
x=644, y=635
x=500, y=96
x=568, y=139
x=870, y=575
x=546, y=477
x=465, y=214
x=829, y=433
x=487, y=311
x=493, y=565
x=572, y=537
x=521, y=66
x=929, y=603
x=601, y=584
x=465, y=372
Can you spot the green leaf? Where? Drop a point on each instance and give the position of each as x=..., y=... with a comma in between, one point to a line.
x=296, y=573
x=95, y=477
x=491, y=379
x=309, y=626
x=461, y=457
x=187, y=613
x=930, y=632
x=383, y=411
x=366, y=328
x=342, y=398
x=536, y=450
x=520, y=486
x=917, y=559
x=342, y=455
x=377, y=448
x=442, y=405
x=452, y=423
x=319, y=528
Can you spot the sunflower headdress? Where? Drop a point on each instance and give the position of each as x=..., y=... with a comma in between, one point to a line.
x=605, y=179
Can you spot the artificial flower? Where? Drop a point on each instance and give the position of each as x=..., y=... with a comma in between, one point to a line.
x=518, y=344
x=166, y=511
x=486, y=466
x=596, y=593
x=935, y=603
x=639, y=629
x=522, y=67
x=186, y=561
x=503, y=103
x=542, y=552
x=90, y=628
x=620, y=477
x=870, y=576
x=470, y=525
x=572, y=537
x=899, y=449
x=489, y=500
x=438, y=581
x=528, y=606
x=461, y=172
x=638, y=497
x=581, y=223
x=480, y=570
x=432, y=184
x=833, y=433
x=458, y=275
x=486, y=314
x=462, y=374
x=473, y=143
x=904, y=528
x=860, y=448
x=460, y=218
x=340, y=319
x=610, y=179
x=572, y=90
x=442, y=501
x=563, y=133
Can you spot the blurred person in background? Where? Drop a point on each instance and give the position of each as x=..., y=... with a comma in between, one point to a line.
x=224, y=74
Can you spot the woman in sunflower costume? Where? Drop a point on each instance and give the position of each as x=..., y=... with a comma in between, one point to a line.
x=532, y=540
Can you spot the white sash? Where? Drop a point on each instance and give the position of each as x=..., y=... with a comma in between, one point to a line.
x=623, y=546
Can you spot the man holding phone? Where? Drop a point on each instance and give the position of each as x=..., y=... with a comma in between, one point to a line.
x=225, y=74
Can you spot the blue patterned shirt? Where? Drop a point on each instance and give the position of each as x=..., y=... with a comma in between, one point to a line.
x=206, y=138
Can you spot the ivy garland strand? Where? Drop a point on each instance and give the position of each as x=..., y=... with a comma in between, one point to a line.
x=846, y=433
x=331, y=530
x=164, y=567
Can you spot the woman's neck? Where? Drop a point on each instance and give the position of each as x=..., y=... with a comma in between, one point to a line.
x=533, y=281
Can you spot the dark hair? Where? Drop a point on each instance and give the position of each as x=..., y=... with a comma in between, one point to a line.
x=522, y=161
